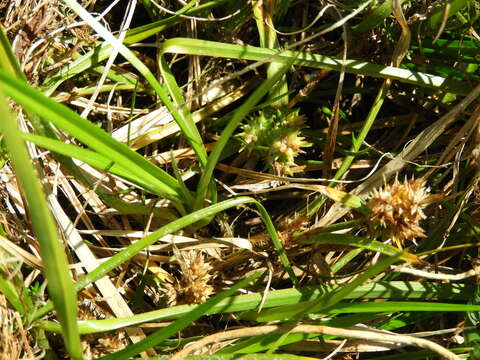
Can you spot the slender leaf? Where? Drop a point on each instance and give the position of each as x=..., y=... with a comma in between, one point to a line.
x=60, y=285
x=180, y=324
x=91, y=135
x=217, y=49
x=284, y=297
x=127, y=253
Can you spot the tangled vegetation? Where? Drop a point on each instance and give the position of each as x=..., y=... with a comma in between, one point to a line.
x=265, y=179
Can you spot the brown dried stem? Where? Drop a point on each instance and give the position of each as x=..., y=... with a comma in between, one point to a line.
x=316, y=329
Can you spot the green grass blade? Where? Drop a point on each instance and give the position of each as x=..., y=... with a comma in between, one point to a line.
x=284, y=297
x=238, y=116
x=10, y=292
x=363, y=243
x=217, y=49
x=8, y=60
x=90, y=134
x=330, y=299
x=60, y=285
x=91, y=158
x=180, y=324
x=277, y=243
x=188, y=127
x=183, y=118
x=394, y=306
x=192, y=218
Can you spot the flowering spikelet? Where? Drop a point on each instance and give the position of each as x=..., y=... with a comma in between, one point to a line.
x=397, y=209
x=193, y=287
x=276, y=135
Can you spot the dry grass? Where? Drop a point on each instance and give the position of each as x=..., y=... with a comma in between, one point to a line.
x=194, y=265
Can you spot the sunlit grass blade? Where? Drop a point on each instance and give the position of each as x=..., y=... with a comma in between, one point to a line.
x=187, y=220
x=91, y=158
x=298, y=310
x=60, y=285
x=183, y=117
x=91, y=135
x=284, y=297
x=8, y=61
x=217, y=49
x=188, y=127
x=180, y=324
x=358, y=241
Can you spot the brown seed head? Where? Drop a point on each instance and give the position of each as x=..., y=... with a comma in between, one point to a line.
x=397, y=209
x=193, y=287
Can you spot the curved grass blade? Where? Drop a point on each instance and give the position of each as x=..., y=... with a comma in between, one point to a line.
x=183, y=118
x=217, y=49
x=91, y=135
x=60, y=285
x=178, y=325
x=192, y=218
x=284, y=297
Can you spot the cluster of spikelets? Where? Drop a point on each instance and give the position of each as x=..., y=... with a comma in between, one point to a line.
x=193, y=287
x=397, y=210
x=276, y=135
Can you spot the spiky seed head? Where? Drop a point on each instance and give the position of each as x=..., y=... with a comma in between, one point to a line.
x=276, y=134
x=397, y=209
x=283, y=151
x=193, y=286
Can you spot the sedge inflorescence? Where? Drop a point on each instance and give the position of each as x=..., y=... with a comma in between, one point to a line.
x=276, y=135
x=397, y=210
x=193, y=287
